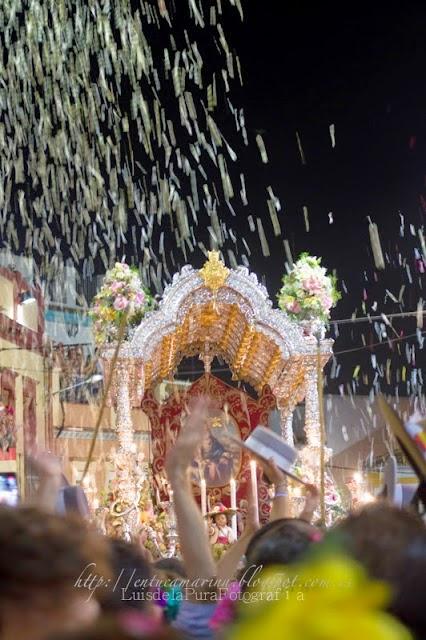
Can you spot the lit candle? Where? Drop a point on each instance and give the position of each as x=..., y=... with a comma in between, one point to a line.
x=203, y=489
x=297, y=492
x=253, y=472
x=233, y=492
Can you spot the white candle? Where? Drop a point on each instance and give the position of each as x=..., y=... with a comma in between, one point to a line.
x=233, y=492
x=203, y=490
x=253, y=472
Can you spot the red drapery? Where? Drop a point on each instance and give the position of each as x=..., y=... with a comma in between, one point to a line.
x=245, y=412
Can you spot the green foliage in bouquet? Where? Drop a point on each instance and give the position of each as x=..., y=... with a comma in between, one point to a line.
x=308, y=292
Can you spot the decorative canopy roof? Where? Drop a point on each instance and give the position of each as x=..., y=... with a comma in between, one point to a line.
x=228, y=313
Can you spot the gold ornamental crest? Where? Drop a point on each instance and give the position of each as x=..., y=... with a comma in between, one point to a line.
x=214, y=273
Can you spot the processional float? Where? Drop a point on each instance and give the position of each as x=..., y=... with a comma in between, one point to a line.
x=216, y=311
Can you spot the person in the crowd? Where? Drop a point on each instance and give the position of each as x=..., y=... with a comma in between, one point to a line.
x=221, y=535
x=51, y=571
x=131, y=580
x=391, y=544
x=252, y=534
x=170, y=569
x=280, y=542
x=208, y=578
x=128, y=627
x=199, y=599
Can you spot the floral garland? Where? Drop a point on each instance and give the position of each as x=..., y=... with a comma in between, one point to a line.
x=121, y=295
x=334, y=506
x=308, y=293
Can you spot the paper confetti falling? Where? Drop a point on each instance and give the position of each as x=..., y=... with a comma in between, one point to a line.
x=376, y=246
x=332, y=135
x=108, y=131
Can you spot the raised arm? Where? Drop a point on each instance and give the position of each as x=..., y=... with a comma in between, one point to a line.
x=192, y=531
x=280, y=503
x=49, y=470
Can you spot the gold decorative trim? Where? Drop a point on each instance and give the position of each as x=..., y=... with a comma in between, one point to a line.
x=214, y=274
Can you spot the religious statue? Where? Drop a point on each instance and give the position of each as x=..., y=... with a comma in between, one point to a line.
x=218, y=462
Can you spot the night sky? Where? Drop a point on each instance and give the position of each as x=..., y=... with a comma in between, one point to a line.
x=361, y=71
x=306, y=67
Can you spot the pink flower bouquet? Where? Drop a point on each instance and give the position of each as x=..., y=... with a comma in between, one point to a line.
x=122, y=297
x=308, y=292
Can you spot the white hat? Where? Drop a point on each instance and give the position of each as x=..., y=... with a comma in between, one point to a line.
x=219, y=509
x=398, y=494
x=266, y=444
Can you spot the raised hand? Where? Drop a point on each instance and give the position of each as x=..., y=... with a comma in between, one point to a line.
x=46, y=464
x=195, y=546
x=49, y=469
x=191, y=436
x=273, y=473
x=312, y=498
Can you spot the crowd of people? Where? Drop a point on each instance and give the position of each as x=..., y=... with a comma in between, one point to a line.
x=60, y=579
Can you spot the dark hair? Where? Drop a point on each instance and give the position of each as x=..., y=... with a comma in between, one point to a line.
x=391, y=544
x=44, y=552
x=171, y=566
x=281, y=541
x=131, y=578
